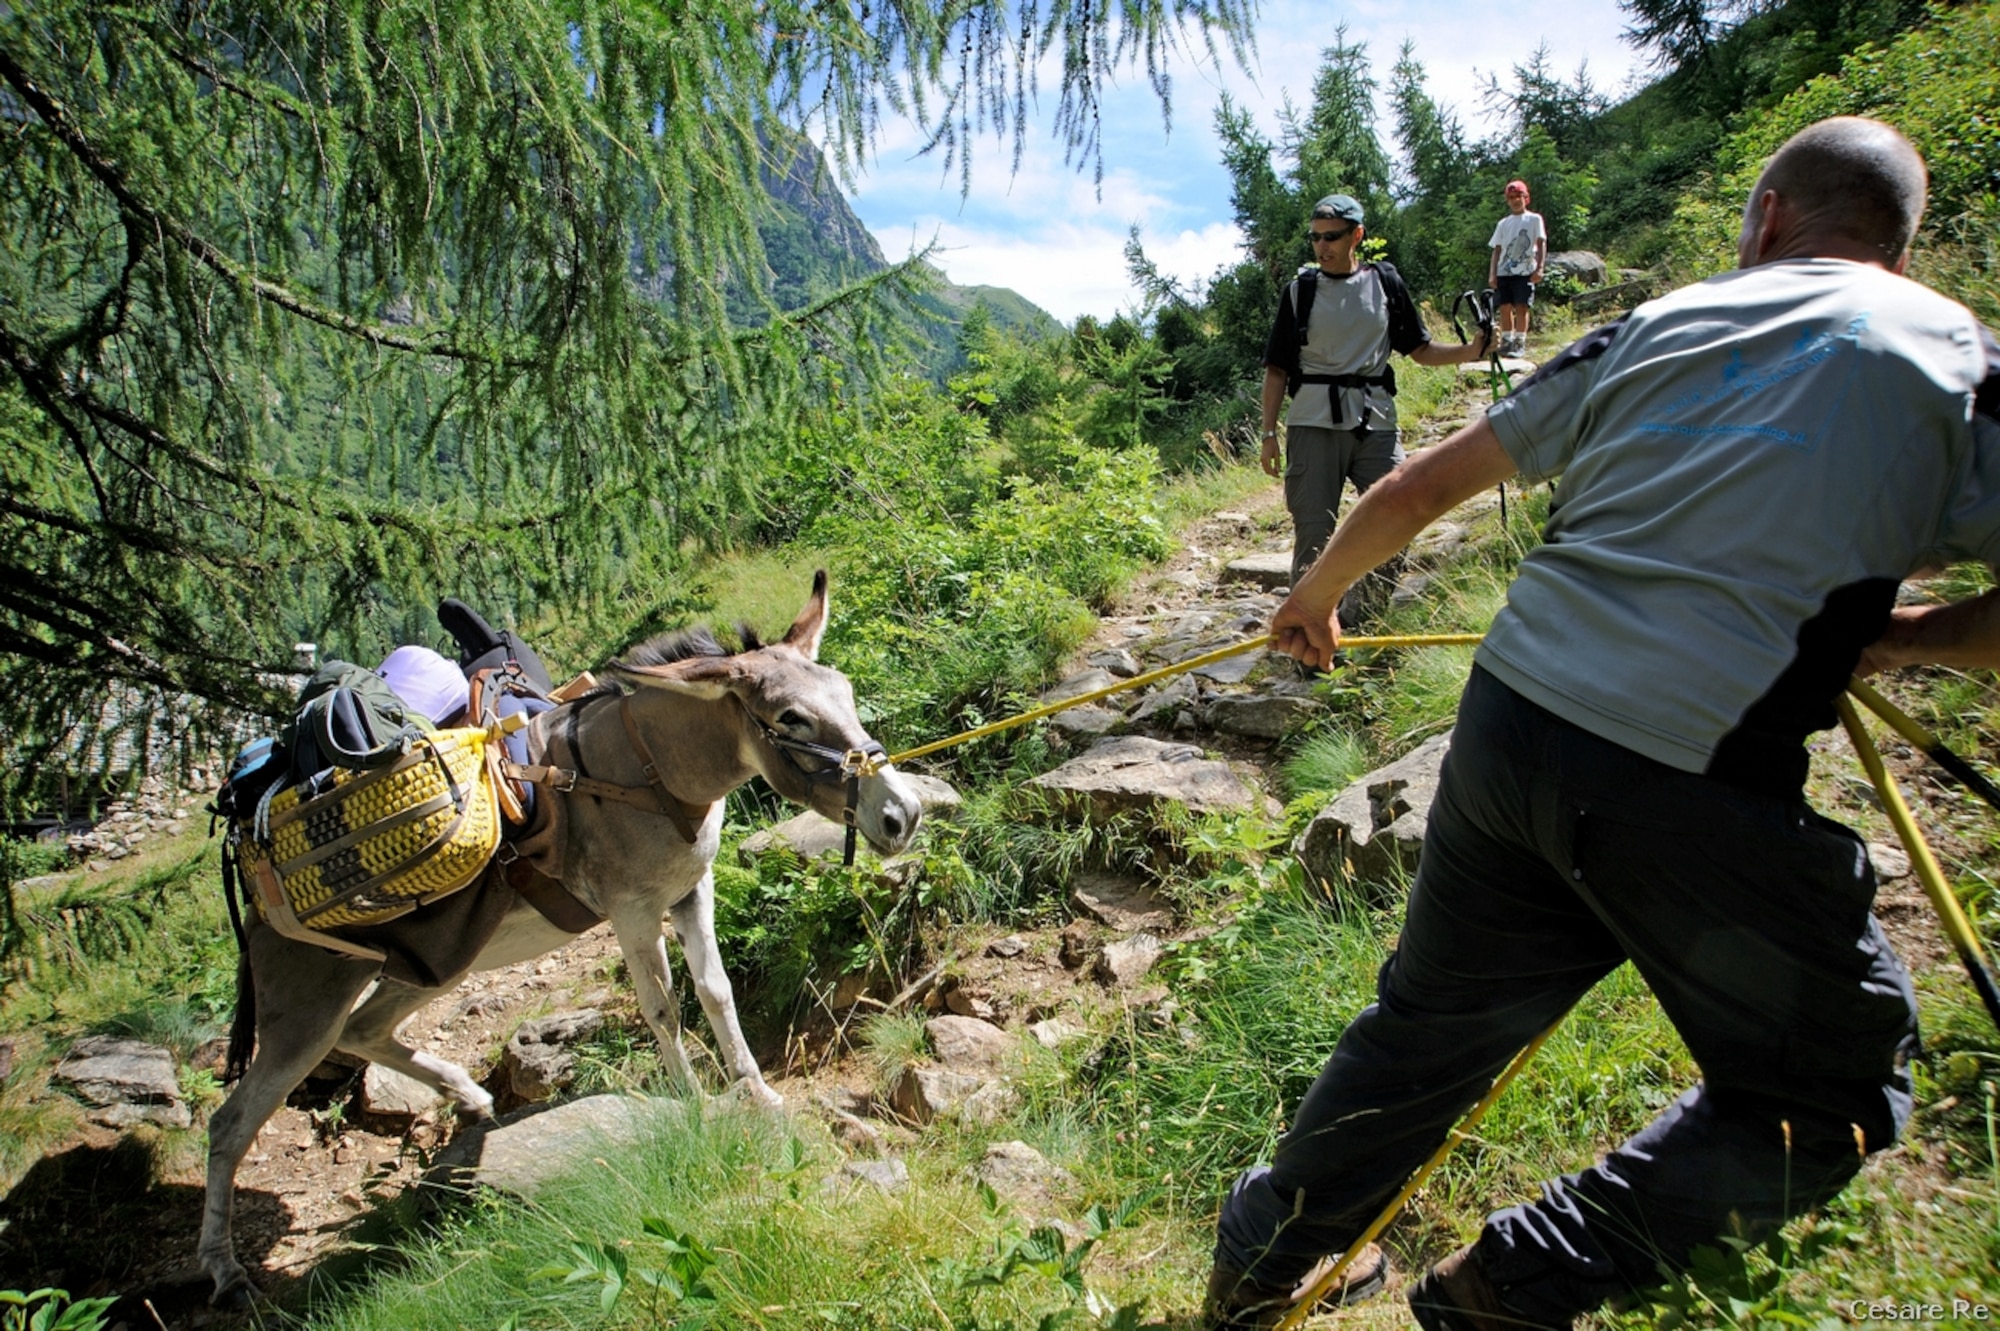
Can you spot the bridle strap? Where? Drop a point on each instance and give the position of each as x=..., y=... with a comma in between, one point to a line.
x=849, y=766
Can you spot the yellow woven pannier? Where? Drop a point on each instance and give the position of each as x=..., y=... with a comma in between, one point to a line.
x=377, y=843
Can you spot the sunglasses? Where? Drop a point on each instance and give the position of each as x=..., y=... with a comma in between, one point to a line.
x=1328, y=237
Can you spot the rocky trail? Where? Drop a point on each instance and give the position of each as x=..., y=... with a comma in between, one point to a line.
x=107, y=1214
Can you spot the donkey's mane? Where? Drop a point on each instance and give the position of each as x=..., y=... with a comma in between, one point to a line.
x=685, y=644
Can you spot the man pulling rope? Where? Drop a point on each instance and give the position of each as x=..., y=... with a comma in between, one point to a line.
x=1748, y=469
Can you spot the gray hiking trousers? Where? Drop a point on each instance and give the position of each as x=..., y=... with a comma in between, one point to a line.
x=1551, y=857
x=1318, y=465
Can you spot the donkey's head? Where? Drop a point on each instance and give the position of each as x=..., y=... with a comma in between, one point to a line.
x=799, y=728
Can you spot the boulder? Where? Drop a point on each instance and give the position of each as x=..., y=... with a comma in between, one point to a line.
x=1587, y=268
x=1023, y=1175
x=539, y=1059
x=1125, y=962
x=889, y=1175
x=925, y=1094
x=1891, y=862
x=126, y=1082
x=1132, y=772
x=1375, y=827
x=967, y=1044
x=1116, y=660
x=390, y=1102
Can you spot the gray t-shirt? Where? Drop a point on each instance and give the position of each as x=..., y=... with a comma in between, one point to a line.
x=1749, y=466
x=1356, y=320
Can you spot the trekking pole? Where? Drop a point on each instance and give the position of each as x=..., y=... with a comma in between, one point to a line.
x=1498, y=382
x=1964, y=940
x=1297, y=1314
x=1933, y=747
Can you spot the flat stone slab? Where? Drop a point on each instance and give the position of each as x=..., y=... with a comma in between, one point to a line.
x=1261, y=716
x=1087, y=681
x=1087, y=719
x=1230, y=669
x=1133, y=772
x=1270, y=570
x=1121, y=903
x=109, y=1070
x=526, y=1155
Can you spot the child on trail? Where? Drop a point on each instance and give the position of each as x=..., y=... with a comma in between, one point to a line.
x=1519, y=248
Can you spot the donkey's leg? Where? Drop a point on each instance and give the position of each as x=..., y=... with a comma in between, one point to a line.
x=635, y=918
x=302, y=995
x=370, y=1033
x=694, y=922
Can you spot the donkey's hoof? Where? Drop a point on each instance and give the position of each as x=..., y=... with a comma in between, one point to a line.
x=758, y=1094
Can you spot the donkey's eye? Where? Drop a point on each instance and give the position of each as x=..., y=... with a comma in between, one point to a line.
x=791, y=719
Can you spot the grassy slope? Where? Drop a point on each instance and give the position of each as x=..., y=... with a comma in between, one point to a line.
x=1171, y=1114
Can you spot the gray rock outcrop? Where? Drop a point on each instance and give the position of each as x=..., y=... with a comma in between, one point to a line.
x=125, y=1082
x=1375, y=827
x=1132, y=772
x=1585, y=266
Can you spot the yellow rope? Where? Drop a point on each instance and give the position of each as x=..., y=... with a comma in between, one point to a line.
x=1964, y=938
x=1167, y=672
x=1297, y=1314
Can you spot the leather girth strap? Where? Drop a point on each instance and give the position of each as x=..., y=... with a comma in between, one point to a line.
x=549, y=897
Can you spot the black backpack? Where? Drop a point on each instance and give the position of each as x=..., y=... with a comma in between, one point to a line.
x=1302, y=308
x=349, y=717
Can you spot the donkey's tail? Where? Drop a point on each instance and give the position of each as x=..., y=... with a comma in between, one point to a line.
x=243, y=1029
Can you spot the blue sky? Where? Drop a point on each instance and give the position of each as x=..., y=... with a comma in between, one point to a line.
x=1046, y=233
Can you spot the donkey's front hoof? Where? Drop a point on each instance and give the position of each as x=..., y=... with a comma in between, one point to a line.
x=240, y=1295
x=753, y=1091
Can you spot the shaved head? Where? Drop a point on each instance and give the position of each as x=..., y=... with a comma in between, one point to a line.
x=1847, y=180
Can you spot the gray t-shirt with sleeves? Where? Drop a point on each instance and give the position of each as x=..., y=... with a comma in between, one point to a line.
x=1749, y=466
x=1356, y=320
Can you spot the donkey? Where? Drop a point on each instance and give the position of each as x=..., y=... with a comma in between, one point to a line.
x=680, y=716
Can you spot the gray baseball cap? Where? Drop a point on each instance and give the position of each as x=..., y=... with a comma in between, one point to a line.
x=1342, y=206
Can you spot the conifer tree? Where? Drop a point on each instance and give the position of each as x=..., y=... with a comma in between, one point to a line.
x=312, y=311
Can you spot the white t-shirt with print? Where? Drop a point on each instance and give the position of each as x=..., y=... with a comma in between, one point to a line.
x=1515, y=238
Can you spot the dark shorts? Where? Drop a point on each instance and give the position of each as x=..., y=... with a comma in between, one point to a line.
x=1513, y=291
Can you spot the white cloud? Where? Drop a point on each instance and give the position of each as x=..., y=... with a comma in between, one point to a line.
x=1049, y=233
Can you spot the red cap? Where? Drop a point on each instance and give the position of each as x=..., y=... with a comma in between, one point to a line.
x=1520, y=185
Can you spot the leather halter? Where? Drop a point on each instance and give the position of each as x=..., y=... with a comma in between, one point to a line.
x=849, y=766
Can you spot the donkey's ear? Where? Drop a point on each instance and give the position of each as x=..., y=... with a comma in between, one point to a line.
x=706, y=677
x=810, y=626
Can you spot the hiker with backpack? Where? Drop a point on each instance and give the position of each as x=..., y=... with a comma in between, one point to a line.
x=1329, y=349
